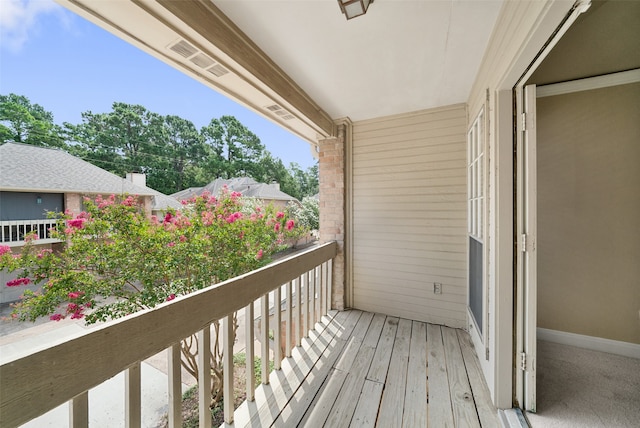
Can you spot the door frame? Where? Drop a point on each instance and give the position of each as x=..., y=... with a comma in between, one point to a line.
x=525, y=223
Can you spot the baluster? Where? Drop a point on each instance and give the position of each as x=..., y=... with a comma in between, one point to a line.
x=304, y=295
x=298, y=312
x=227, y=364
x=329, y=285
x=249, y=339
x=175, y=390
x=277, y=328
x=312, y=300
x=289, y=316
x=204, y=376
x=319, y=291
x=133, y=395
x=264, y=317
x=79, y=411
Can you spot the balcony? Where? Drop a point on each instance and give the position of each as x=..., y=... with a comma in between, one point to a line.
x=12, y=232
x=348, y=368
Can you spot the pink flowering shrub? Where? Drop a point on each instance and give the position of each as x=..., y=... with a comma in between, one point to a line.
x=114, y=251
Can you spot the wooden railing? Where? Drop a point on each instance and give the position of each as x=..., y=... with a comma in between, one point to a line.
x=14, y=231
x=34, y=383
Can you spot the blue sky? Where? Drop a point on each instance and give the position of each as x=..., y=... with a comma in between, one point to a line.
x=69, y=65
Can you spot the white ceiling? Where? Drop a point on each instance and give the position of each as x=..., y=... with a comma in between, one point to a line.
x=402, y=56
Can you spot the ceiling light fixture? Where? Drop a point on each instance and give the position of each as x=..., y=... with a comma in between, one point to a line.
x=354, y=8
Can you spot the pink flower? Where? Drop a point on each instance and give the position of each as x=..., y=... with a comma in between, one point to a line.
x=280, y=214
x=76, y=223
x=171, y=244
x=167, y=218
x=290, y=224
x=233, y=217
x=75, y=294
x=31, y=237
x=183, y=238
x=18, y=281
x=72, y=307
x=259, y=255
x=277, y=227
x=170, y=297
x=129, y=202
x=77, y=315
x=56, y=317
x=4, y=249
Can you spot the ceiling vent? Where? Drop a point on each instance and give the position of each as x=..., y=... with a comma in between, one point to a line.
x=195, y=56
x=280, y=112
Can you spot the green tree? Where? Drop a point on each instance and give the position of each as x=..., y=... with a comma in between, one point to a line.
x=117, y=261
x=24, y=122
x=235, y=149
x=187, y=153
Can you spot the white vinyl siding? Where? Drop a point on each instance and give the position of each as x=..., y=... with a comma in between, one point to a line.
x=409, y=215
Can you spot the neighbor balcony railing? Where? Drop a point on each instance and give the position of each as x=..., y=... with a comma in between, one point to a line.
x=38, y=381
x=14, y=231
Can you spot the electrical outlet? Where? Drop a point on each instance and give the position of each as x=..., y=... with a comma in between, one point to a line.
x=437, y=288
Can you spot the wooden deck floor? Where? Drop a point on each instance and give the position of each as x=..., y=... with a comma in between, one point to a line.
x=359, y=369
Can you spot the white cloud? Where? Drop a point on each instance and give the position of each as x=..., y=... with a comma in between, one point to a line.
x=19, y=20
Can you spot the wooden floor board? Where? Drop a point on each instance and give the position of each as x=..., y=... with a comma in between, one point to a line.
x=415, y=400
x=481, y=395
x=392, y=405
x=463, y=406
x=382, y=357
x=440, y=411
x=358, y=369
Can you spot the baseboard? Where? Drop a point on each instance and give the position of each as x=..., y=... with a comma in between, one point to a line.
x=625, y=349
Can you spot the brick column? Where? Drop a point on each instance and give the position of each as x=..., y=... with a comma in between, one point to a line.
x=73, y=202
x=332, y=207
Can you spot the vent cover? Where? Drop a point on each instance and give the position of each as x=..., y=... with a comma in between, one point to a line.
x=280, y=112
x=195, y=56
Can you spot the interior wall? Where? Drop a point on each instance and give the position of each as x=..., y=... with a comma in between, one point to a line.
x=409, y=215
x=588, y=212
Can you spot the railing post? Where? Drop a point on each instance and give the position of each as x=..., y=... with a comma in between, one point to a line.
x=264, y=318
x=133, y=395
x=249, y=352
x=277, y=328
x=79, y=411
x=174, y=357
x=204, y=376
x=289, y=323
x=227, y=365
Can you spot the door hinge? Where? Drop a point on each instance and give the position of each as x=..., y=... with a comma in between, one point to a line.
x=486, y=354
x=523, y=362
x=524, y=121
x=527, y=243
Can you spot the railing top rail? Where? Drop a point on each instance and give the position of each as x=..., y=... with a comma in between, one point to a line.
x=32, y=383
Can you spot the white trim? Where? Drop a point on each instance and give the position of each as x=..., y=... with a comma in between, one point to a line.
x=625, y=349
x=597, y=82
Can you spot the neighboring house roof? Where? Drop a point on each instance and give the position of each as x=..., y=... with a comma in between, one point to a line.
x=245, y=185
x=28, y=168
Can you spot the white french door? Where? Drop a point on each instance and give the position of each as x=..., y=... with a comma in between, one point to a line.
x=526, y=293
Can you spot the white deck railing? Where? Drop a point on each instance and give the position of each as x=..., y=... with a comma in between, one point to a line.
x=39, y=381
x=14, y=231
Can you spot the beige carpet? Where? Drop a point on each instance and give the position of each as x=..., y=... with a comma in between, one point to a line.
x=582, y=388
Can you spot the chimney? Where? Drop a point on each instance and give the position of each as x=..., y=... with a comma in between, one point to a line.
x=137, y=178
x=275, y=185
